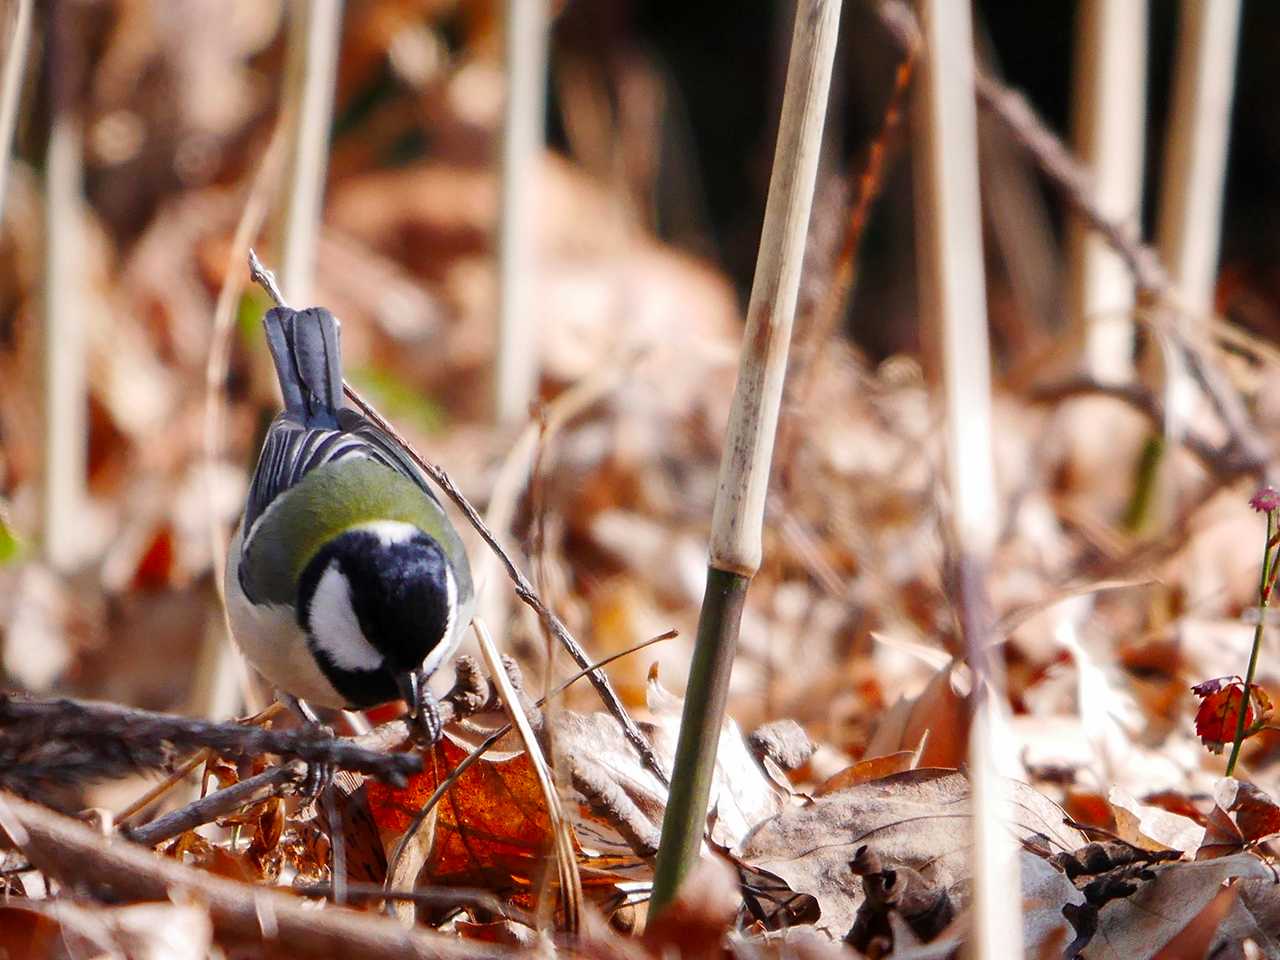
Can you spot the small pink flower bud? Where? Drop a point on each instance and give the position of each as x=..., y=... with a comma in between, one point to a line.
x=1265, y=500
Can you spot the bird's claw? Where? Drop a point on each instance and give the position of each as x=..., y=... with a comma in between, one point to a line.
x=427, y=725
x=319, y=774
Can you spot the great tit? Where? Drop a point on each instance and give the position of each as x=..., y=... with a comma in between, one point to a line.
x=346, y=583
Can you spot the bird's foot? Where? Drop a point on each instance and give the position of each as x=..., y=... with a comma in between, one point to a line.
x=319, y=774
x=427, y=726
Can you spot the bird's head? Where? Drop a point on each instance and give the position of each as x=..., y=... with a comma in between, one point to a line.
x=375, y=601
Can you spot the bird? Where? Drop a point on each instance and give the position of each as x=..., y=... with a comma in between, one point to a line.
x=346, y=583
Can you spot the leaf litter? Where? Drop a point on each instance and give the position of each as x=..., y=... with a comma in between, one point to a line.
x=1132, y=841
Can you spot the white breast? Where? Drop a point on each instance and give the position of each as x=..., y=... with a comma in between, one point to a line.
x=272, y=641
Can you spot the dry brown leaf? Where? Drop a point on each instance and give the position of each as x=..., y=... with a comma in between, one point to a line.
x=1196, y=938
x=54, y=930
x=697, y=920
x=918, y=819
x=1153, y=828
x=940, y=712
x=864, y=771
x=1255, y=813
x=1138, y=927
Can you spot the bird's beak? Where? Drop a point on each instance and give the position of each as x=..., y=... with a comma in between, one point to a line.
x=411, y=691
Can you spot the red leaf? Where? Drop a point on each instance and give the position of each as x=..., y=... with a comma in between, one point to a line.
x=1219, y=713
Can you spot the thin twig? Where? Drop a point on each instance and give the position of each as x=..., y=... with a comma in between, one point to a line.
x=438, y=897
x=466, y=697
x=1226, y=461
x=220, y=803
x=524, y=590
x=190, y=764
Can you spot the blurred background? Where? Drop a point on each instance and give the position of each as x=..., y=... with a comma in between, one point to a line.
x=149, y=131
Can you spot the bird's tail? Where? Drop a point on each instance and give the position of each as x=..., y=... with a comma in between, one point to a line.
x=305, y=345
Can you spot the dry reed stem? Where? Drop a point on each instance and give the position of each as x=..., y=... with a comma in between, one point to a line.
x=1190, y=219
x=953, y=304
x=315, y=29
x=516, y=361
x=1108, y=132
x=66, y=412
x=15, y=59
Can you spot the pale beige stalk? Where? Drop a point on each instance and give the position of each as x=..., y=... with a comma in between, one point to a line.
x=15, y=59
x=953, y=303
x=315, y=28
x=65, y=376
x=516, y=361
x=738, y=519
x=1108, y=133
x=1190, y=218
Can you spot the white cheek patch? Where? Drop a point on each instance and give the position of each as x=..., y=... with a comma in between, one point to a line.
x=334, y=628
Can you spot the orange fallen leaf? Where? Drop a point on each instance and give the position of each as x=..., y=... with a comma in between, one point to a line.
x=490, y=825
x=864, y=771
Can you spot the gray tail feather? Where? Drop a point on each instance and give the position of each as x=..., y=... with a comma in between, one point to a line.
x=305, y=345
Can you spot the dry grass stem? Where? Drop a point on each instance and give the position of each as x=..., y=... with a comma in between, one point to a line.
x=565, y=859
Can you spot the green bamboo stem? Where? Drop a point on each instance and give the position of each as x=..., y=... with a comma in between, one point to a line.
x=738, y=518
x=704, y=707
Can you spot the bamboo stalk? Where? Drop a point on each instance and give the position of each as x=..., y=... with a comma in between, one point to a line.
x=65, y=384
x=15, y=58
x=315, y=28
x=953, y=306
x=738, y=518
x=516, y=360
x=1108, y=133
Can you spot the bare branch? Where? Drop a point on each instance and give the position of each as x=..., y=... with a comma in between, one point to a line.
x=61, y=740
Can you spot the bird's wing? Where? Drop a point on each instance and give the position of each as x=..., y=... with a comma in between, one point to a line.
x=312, y=482
x=291, y=451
